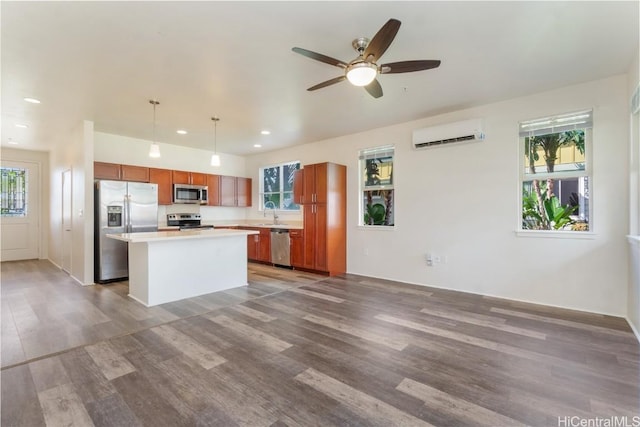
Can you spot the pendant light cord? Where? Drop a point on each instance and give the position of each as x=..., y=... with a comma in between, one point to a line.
x=154, y=103
x=215, y=133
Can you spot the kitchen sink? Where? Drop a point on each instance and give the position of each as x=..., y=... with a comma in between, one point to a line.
x=270, y=224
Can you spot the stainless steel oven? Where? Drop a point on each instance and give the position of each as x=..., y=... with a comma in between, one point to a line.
x=192, y=194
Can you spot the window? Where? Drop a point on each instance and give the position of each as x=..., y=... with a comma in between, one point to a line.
x=376, y=187
x=13, y=188
x=555, y=173
x=276, y=186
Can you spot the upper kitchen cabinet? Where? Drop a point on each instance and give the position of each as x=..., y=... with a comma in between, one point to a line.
x=298, y=187
x=162, y=177
x=106, y=171
x=235, y=191
x=213, y=182
x=117, y=172
x=243, y=191
x=190, y=178
x=134, y=173
x=315, y=183
x=325, y=218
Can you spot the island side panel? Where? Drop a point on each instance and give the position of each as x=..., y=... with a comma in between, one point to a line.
x=139, y=272
x=178, y=269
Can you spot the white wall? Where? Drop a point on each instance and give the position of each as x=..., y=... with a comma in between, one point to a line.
x=41, y=158
x=461, y=202
x=131, y=151
x=633, y=293
x=73, y=151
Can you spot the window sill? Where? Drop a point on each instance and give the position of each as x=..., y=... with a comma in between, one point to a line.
x=377, y=227
x=634, y=239
x=589, y=235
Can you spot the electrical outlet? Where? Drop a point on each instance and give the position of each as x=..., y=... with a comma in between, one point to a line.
x=436, y=259
x=429, y=259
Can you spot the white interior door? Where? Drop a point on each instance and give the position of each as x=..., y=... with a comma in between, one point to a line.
x=66, y=221
x=20, y=202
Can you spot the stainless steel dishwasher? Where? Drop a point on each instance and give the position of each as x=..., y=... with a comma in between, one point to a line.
x=280, y=247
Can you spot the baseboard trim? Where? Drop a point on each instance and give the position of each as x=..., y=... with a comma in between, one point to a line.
x=70, y=275
x=633, y=328
x=54, y=263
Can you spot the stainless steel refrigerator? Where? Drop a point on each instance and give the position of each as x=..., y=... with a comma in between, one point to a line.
x=120, y=207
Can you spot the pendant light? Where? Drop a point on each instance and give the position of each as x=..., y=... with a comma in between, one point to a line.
x=154, y=150
x=215, y=158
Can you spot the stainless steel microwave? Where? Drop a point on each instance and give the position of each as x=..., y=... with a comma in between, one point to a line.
x=193, y=194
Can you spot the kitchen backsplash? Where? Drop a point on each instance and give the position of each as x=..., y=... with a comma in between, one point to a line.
x=208, y=213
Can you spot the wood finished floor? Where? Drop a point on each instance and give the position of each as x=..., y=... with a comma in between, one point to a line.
x=296, y=349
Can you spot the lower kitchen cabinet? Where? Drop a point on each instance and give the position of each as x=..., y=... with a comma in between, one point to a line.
x=297, y=248
x=315, y=245
x=259, y=245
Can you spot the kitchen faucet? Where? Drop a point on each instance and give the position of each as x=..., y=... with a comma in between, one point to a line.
x=273, y=207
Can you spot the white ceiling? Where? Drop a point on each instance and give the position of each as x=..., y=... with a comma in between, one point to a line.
x=103, y=61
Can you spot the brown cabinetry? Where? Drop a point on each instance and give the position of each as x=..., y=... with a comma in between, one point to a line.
x=134, y=173
x=243, y=191
x=296, y=238
x=235, y=191
x=190, y=178
x=315, y=183
x=298, y=187
x=106, y=171
x=119, y=172
x=223, y=190
x=259, y=245
x=213, y=182
x=324, y=215
x=163, y=178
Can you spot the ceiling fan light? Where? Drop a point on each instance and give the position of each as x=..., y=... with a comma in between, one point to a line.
x=154, y=150
x=215, y=160
x=361, y=73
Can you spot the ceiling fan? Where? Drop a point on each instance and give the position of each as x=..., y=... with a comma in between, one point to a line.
x=363, y=70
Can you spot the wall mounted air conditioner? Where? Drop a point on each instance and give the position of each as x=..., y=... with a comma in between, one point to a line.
x=450, y=133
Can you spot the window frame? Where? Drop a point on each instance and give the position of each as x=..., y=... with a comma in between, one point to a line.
x=362, y=187
x=281, y=192
x=558, y=175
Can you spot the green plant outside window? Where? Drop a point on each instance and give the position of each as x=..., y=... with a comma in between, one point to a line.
x=376, y=184
x=555, y=183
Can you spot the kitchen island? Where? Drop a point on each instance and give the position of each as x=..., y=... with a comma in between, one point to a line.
x=168, y=266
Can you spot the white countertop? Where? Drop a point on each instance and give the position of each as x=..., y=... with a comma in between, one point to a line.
x=286, y=226
x=178, y=235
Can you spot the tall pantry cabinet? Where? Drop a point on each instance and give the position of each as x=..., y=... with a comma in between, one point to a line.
x=324, y=200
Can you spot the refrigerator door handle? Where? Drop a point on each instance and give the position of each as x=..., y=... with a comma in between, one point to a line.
x=129, y=214
x=126, y=213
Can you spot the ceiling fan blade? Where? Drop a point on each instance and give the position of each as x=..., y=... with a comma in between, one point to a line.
x=409, y=66
x=319, y=57
x=374, y=89
x=382, y=40
x=327, y=83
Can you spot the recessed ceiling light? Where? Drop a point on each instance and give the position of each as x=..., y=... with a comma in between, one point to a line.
x=181, y=131
x=257, y=145
x=12, y=142
x=32, y=100
x=266, y=132
x=21, y=125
